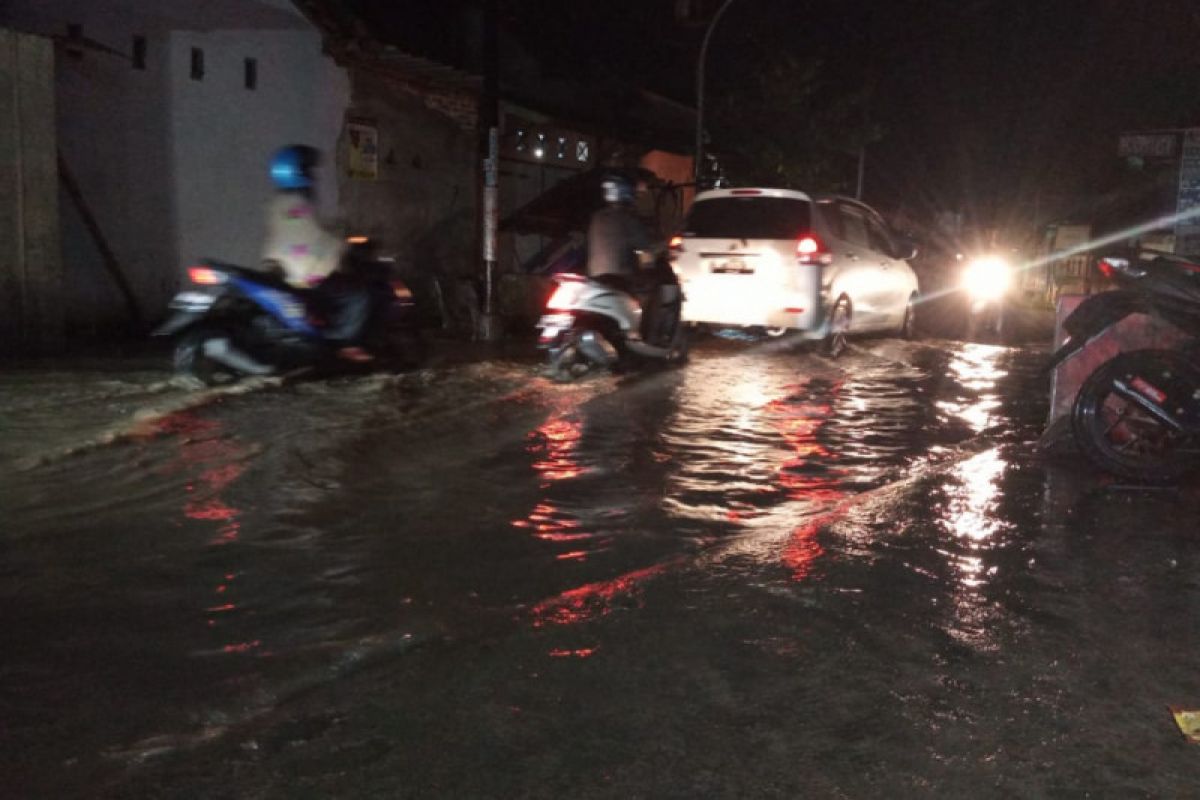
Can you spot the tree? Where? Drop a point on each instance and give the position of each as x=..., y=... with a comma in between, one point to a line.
x=781, y=124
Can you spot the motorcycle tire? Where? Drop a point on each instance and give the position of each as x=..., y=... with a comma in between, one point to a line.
x=568, y=364
x=407, y=348
x=190, y=360
x=1116, y=434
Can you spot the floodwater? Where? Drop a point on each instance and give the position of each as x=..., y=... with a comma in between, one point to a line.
x=763, y=575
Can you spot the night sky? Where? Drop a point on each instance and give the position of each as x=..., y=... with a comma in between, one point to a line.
x=990, y=107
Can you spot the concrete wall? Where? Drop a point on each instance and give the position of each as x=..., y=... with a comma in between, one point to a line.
x=422, y=207
x=172, y=168
x=114, y=137
x=223, y=134
x=31, y=314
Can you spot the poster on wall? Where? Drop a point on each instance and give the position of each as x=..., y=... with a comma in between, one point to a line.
x=363, y=139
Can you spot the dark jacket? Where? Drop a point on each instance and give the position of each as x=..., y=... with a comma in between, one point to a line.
x=615, y=234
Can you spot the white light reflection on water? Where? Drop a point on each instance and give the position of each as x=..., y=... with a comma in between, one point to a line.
x=976, y=370
x=972, y=517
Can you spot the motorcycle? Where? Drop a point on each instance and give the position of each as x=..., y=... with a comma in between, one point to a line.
x=233, y=322
x=1138, y=414
x=598, y=322
x=986, y=280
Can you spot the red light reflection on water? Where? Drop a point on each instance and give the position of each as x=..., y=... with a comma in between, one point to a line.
x=216, y=461
x=582, y=652
x=801, y=551
x=591, y=600
x=806, y=475
x=553, y=444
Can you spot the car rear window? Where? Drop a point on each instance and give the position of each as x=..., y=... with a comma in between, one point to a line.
x=749, y=218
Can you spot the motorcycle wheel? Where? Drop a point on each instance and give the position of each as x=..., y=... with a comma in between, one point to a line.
x=1120, y=436
x=191, y=361
x=407, y=348
x=568, y=363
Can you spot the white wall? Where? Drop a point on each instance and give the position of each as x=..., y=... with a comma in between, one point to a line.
x=176, y=169
x=224, y=134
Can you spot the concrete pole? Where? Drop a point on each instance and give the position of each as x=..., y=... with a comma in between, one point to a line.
x=489, y=124
x=698, y=166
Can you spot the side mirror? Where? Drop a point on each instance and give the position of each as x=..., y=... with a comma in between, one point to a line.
x=908, y=252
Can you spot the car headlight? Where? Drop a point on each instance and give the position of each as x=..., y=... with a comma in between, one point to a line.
x=987, y=277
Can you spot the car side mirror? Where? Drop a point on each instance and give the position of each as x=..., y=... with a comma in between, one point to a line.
x=908, y=252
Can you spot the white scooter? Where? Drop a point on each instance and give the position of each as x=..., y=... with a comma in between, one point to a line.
x=597, y=322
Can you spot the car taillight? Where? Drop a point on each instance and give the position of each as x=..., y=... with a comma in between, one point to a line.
x=205, y=276
x=811, y=250
x=676, y=244
x=565, y=296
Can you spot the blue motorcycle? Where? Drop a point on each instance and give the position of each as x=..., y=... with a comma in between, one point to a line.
x=232, y=322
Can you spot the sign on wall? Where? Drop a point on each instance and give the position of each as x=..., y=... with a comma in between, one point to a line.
x=1148, y=145
x=1187, y=228
x=363, y=161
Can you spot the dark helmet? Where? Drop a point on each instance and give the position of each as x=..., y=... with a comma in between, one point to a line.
x=617, y=189
x=292, y=167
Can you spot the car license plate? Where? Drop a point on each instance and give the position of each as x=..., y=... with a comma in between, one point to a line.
x=732, y=266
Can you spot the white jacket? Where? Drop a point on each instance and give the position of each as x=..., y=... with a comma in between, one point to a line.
x=298, y=242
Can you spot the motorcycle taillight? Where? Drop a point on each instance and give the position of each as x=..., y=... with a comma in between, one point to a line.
x=203, y=276
x=564, y=297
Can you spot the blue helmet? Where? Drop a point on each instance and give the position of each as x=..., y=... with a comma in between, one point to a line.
x=291, y=167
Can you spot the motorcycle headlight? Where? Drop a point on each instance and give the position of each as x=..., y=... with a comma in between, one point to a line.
x=987, y=277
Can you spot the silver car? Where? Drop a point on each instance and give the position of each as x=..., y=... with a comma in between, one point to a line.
x=783, y=260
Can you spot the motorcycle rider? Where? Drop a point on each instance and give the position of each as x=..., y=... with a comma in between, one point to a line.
x=310, y=255
x=619, y=245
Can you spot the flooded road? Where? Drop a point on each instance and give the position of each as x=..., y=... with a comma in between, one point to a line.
x=766, y=574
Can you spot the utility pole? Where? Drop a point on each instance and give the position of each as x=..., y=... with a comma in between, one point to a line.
x=489, y=126
x=698, y=166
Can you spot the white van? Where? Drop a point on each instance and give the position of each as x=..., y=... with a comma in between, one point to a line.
x=782, y=260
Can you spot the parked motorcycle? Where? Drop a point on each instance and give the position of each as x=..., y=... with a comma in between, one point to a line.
x=598, y=322
x=1138, y=414
x=233, y=322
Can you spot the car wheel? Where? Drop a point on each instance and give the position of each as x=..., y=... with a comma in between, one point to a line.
x=680, y=343
x=908, y=328
x=839, y=326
